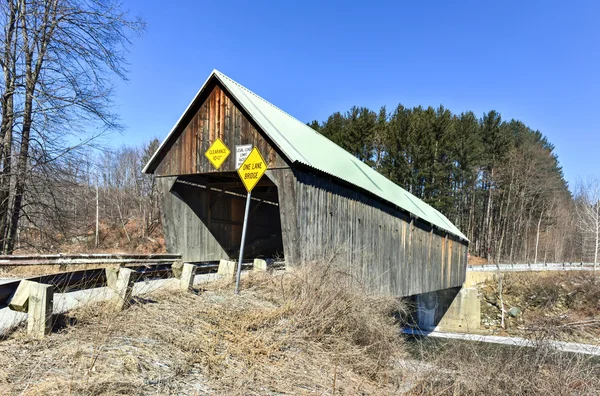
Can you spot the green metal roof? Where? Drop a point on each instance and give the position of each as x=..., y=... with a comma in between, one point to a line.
x=301, y=144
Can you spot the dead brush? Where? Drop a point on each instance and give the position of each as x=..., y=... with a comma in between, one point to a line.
x=482, y=369
x=558, y=305
x=313, y=330
x=328, y=305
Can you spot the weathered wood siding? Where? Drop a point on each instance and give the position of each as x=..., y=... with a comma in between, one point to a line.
x=383, y=246
x=217, y=117
x=317, y=218
x=205, y=225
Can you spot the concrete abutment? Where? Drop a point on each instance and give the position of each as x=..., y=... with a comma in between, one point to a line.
x=454, y=310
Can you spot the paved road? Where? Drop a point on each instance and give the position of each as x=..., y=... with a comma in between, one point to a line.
x=515, y=341
x=531, y=267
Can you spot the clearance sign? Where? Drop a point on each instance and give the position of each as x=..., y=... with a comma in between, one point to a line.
x=252, y=169
x=217, y=153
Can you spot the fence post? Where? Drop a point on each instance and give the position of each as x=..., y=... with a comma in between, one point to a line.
x=123, y=288
x=112, y=274
x=176, y=268
x=259, y=265
x=188, y=273
x=39, y=318
x=226, y=268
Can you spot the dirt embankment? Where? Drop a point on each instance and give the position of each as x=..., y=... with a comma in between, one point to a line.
x=559, y=305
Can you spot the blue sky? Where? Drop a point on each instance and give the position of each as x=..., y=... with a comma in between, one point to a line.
x=536, y=61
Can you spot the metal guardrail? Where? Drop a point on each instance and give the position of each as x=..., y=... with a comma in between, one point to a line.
x=92, y=278
x=532, y=267
x=102, y=258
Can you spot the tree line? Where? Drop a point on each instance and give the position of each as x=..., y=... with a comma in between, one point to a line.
x=499, y=181
x=97, y=200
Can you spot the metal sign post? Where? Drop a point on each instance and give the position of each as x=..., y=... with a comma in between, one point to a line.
x=238, y=275
x=251, y=170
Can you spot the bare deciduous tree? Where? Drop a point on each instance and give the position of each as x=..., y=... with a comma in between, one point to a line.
x=588, y=213
x=59, y=58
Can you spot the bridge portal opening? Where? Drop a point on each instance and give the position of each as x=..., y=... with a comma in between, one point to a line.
x=219, y=200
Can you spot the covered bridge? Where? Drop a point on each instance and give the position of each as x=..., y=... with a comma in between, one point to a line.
x=315, y=202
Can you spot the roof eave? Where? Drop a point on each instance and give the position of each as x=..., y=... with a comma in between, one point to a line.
x=151, y=166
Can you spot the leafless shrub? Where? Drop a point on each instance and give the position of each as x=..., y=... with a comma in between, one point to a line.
x=461, y=368
x=326, y=304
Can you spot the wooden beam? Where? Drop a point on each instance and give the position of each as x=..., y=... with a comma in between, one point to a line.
x=20, y=299
x=238, y=223
x=235, y=184
x=39, y=312
x=212, y=205
x=255, y=208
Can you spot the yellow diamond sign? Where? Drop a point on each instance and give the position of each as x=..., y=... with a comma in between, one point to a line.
x=252, y=169
x=217, y=153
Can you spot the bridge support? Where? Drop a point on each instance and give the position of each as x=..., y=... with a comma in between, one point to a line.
x=455, y=310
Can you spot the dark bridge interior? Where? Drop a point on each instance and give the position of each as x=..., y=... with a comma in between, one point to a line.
x=219, y=199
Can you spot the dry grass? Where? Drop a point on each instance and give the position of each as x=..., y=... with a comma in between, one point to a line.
x=309, y=331
x=550, y=302
x=558, y=305
x=461, y=368
x=476, y=260
x=112, y=239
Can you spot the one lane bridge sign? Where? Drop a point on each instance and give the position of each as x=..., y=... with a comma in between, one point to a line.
x=252, y=169
x=217, y=153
